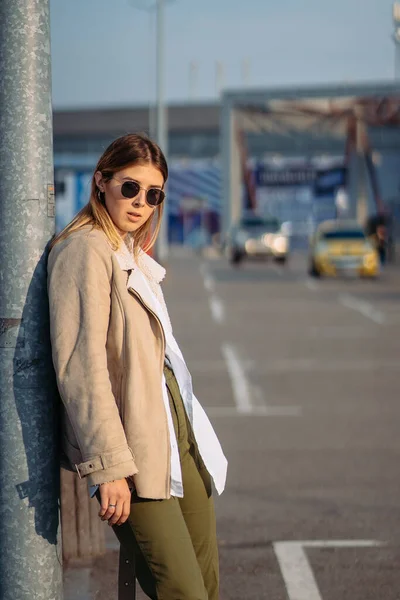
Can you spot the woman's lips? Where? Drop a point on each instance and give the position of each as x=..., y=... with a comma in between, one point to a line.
x=134, y=217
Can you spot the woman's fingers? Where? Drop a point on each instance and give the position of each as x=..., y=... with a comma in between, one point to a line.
x=115, y=499
x=126, y=509
x=117, y=514
x=111, y=508
x=104, y=501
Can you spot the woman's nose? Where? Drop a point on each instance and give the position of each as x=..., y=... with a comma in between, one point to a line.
x=140, y=199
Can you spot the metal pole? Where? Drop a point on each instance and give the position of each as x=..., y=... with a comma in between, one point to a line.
x=362, y=189
x=162, y=138
x=152, y=128
x=29, y=470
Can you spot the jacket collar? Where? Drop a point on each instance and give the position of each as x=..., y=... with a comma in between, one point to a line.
x=151, y=268
x=125, y=258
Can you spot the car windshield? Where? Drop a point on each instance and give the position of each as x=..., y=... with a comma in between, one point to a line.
x=259, y=224
x=356, y=234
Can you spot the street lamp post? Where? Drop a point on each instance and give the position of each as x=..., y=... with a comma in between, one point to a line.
x=161, y=123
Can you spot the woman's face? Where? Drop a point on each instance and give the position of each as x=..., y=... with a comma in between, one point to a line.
x=129, y=214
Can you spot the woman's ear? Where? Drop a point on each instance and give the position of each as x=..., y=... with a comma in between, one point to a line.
x=98, y=177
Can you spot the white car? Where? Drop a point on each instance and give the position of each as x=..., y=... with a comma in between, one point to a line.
x=257, y=237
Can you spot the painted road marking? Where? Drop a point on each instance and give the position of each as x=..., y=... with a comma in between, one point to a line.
x=311, y=284
x=217, y=309
x=208, y=279
x=216, y=305
x=242, y=393
x=295, y=567
x=209, y=282
x=365, y=308
x=240, y=384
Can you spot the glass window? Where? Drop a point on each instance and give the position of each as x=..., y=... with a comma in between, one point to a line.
x=355, y=234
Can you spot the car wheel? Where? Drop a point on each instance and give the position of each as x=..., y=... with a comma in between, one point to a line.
x=236, y=256
x=282, y=260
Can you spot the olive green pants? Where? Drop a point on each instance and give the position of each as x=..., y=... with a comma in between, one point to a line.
x=174, y=541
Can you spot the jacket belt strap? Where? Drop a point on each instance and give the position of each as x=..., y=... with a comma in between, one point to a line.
x=104, y=461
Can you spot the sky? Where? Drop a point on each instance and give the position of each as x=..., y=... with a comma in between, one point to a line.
x=103, y=51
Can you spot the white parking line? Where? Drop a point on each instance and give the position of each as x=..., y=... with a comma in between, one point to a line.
x=208, y=279
x=365, y=308
x=296, y=570
x=209, y=282
x=240, y=384
x=311, y=284
x=217, y=309
x=242, y=393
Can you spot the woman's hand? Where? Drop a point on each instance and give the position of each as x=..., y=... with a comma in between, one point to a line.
x=115, y=502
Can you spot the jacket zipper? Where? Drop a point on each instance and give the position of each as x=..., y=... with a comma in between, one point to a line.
x=146, y=306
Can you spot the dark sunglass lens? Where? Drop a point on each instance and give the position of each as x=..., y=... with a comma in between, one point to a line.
x=130, y=189
x=155, y=196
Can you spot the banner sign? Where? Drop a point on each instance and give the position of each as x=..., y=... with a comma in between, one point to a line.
x=267, y=177
x=322, y=181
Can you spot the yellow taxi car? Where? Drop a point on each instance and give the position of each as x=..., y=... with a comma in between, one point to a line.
x=342, y=248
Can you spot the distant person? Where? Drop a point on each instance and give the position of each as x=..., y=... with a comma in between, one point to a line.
x=380, y=240
x=131, y=423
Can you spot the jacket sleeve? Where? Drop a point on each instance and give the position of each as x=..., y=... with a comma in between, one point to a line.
x=79, y=286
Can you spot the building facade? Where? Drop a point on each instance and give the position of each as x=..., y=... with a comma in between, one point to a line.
x=199, y=189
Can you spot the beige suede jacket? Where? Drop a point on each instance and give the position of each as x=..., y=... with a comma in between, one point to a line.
x=108, y=351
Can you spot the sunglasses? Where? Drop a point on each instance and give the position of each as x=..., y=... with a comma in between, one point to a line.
x=131, y=189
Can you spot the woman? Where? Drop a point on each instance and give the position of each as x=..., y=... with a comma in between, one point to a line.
x=131, y=423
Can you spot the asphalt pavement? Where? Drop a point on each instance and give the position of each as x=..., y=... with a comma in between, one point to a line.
x=301, y=380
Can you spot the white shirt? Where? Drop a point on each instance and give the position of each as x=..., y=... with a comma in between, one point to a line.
x=148, y=274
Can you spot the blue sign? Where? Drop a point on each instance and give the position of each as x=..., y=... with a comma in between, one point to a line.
x=329, y=181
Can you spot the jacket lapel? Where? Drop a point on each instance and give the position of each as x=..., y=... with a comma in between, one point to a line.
x=136, y=280
x=137, y=283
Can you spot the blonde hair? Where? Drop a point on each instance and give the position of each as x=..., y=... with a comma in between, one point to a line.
x=129, y=149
